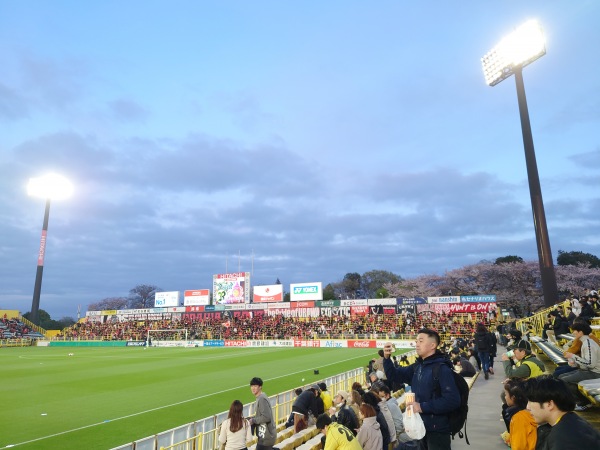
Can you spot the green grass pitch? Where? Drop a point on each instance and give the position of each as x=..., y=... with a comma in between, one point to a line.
x=101, y=398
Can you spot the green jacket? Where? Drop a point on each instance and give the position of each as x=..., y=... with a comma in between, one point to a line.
x=522, y=369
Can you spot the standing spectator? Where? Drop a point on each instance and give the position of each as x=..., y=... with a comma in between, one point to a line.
x=493, y=350
x=551, y=405
x=236, y=431
x=588, y=363
x=434, y=410
x=305, y=403
x=263, y=417
x=519, y=422
x=483, y=345
x=338, y=437
x=369, y=436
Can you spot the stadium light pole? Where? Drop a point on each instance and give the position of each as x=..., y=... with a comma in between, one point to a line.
x=517, y=50
x=50, y=187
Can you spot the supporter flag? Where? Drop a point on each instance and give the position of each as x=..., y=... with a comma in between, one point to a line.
x=227, y=324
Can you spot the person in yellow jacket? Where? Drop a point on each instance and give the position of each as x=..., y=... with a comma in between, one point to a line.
x=338, y=437
x=520, y=424
x=526, y=365
x=325, y=396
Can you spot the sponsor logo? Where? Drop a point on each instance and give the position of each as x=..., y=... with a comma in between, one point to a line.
x=236, y=343
x=334, y=344
x=306, y=290
x=214, y=343
x=362, y=344
x=135, y=343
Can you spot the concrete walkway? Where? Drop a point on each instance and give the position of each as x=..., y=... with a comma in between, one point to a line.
x=484, y=424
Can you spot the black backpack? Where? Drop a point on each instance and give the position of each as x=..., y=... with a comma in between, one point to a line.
x=457, y=418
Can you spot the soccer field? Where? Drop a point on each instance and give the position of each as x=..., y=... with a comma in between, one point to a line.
x=100, y=398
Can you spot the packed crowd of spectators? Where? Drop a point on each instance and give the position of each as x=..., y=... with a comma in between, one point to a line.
x=277, y=327
x=15, y=329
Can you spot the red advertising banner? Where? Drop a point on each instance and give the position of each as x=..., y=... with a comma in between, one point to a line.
x=204, y=315
x=359, y=310
x=194, y=309
x=305, y=304
x=301, y=343
x=237, y=343
x=362, y=344
x=446, y=308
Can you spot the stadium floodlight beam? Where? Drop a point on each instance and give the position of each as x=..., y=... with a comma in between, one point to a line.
x=515, y=51
x=50, y=187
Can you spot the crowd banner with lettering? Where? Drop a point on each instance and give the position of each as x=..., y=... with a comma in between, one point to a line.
x=448, y=299
x=381, y=301
x=359, y=310
x=478, y=299
x=406, y=308
x=294, y=312
x=343, y=311
x=446, y=308
x=411, y=301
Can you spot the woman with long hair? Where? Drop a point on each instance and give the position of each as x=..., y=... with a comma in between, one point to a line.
x=236, y=431
x=369, y=435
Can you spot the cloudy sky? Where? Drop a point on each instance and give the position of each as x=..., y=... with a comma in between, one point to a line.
x=322, y=137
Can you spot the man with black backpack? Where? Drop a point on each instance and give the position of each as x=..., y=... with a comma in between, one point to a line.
x=437, y=395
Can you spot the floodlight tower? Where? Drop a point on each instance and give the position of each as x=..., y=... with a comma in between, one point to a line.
x=55, y=187
x=515, y=51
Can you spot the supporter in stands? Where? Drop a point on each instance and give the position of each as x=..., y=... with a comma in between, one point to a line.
x=473, y=358
x=290, y=421
x=370, y=436
x=483, y=345
x=345, y=415
x=574, y=348
x=519, y=422
x=587, y=312
x=384, y=420
x=338, y=437
x=392, y=404
x=526, y=365
x=466, y=368
x=236, y=431
x=378, y=366
x=515, y=336
x=305, y=403
x=570, y=315
x=356, y=386
x=263, y=417
x=325, y=396
x=551, y=405
x=587, y=363
x=434, y=410
x=354, y=402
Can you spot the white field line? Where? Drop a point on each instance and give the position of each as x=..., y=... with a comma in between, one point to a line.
x=163, y=407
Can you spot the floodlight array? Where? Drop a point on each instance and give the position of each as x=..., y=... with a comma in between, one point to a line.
x=53, y=186
x=518, y=49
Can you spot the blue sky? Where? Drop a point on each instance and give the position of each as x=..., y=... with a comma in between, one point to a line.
x=322, y=137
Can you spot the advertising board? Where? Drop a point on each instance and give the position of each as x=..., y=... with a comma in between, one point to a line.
x=268, y=293
x=231, y=288
x=306, y=291
x=166, y=299
x=197, y=297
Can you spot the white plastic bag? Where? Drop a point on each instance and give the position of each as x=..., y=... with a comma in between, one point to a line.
x=413, y=424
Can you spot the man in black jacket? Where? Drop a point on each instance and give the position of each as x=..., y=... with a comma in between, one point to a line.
x=305, y=403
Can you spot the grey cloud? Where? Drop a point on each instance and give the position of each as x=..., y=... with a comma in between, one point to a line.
x=127, y=110
x=13, y=105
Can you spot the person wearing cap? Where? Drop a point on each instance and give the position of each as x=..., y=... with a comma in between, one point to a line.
x=345, y=415
x=338, y=437
x=527, y=365
x=305, y=403
x=263, y=417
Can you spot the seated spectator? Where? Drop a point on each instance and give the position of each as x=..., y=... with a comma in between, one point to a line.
x=345, y=415
x=466, y=368
x=526, y=365
x=373, y=400
x=587, y=363
x=574, y=348
x=520, y=424
x=369, y=436
x=325, y=396
x=401, y=436
x=354, y=402
x=338, y=437
x=551, y=405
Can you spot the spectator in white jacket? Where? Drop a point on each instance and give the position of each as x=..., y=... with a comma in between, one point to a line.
x=236, y=431
x=588, y=364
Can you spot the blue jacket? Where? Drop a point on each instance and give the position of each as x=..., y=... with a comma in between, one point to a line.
x=420, y=377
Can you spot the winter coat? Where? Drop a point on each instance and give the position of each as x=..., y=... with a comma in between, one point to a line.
x=369, y=436
x=419, y=375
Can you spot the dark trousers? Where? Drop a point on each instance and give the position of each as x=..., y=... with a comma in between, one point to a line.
x=436, y=441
